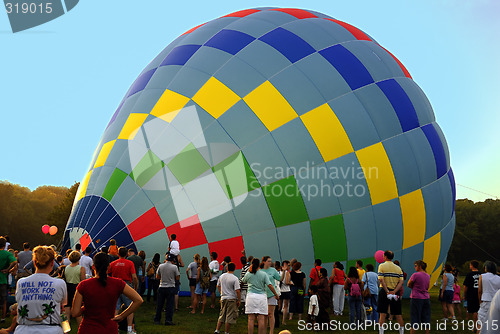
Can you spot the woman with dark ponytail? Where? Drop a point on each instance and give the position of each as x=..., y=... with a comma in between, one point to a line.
x=256, y=301
x=99, y=295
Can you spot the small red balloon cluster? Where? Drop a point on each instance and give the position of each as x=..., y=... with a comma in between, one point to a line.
x=49, y=229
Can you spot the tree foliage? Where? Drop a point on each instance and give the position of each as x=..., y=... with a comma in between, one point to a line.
x=477, y=232
x=23, y=212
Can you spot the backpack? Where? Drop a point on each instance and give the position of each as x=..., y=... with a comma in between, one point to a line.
x=205, y=280
x=355, y=289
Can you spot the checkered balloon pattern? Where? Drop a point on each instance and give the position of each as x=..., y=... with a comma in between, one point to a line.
x=280, y=131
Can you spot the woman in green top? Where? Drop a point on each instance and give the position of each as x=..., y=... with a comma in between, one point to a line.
x=256, y=301
x=73, y=274
x=271, y=301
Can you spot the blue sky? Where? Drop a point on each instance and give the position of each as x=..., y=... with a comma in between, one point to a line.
x=61, y=82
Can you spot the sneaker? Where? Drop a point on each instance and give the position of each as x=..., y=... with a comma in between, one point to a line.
x=132, y=332
x=444, y=319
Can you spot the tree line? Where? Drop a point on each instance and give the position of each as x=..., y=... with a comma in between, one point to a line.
x=23, y=212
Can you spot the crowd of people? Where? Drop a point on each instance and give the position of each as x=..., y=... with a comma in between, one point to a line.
x=106, y=289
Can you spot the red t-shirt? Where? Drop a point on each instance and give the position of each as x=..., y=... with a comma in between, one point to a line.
x=314, y=275
x=122, y=268
x=339, y=276
x=100, y=304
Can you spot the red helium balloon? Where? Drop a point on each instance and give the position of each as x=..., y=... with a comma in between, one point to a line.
x=379, y=256
x=53, y=230
x=45, y=229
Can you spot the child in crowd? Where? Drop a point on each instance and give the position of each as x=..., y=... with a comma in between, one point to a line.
x=113, y=248
x=313, y=311
x=175, y=250
x=457, y=298
x=13, y=325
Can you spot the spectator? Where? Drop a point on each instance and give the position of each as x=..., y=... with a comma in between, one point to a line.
x=337, y=280
x=73, y=275
x=87, y=262
x=175, y=250
x=7, y=243
x=359, y=268
x=489, y=284
x=314, y=275
x=493, y=318
x=446, y=293
x=420, y=303
x=13, y=324
x=457, y=297
x=168, y=273
x=153, y=282
x=214, y=269
x=66, y=261
x=285, y=289
x=471, y=285
x=246, y=265
x=192, y=274
x=256, y=302
x=203, y=279
x=313, y=311
x=124, y=269
x=100, y=295
x=142, y=283
x=23, y=257
x=229, y=289
x=113, y=249
x=39, y=310
x=370, y=279
x=271, y=301
x=354, y=286
x=139, y=266
x=7, y=262
x=323, y=296
x=297, y=281
x=78, y=248
x=391, y=279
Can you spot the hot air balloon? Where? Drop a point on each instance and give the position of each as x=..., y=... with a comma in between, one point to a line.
x=284, y=132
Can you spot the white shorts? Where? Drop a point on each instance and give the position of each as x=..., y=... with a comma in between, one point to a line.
x=272, y=301
x=256, y=303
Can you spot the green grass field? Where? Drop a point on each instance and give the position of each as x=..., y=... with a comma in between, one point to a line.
x=205, y=323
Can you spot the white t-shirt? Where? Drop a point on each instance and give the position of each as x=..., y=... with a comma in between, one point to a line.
x=214, y=267
x=491, y=327
x=228, y=285
x=86, y=262
x=313, y=301
x=174, y=247
x=39, y=299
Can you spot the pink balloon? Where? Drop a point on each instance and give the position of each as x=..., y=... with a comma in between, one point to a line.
x=45, y=229
x=53, y=230
x=379, y=256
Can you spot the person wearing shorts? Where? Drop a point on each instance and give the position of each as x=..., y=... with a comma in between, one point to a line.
x=446, y=293
x=391, y=279
x=229, y=289
x=256, y=302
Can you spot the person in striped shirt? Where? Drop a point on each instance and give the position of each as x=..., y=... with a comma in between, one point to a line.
x=391, y=280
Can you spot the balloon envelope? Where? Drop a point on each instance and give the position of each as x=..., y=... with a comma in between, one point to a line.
x=45, y=229
x=284, y=132
x=53, y=230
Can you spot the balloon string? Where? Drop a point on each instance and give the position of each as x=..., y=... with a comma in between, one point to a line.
x=481, y=192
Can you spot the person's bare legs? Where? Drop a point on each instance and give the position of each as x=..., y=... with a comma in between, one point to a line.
x=251, y=323
x=204, y=302
x=261, y=318
x=194, y=305
x=286, y=302
x=270, y=317
x=451, y=311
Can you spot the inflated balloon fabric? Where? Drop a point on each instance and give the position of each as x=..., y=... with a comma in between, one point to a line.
x=280, y=131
